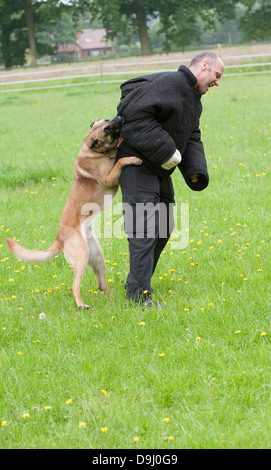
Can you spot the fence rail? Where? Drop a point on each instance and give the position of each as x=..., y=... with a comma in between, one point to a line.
x=121, y=72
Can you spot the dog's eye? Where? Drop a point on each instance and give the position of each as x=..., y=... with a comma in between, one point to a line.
x=94, y=143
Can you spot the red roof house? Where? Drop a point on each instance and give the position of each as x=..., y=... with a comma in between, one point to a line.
x=91, y=42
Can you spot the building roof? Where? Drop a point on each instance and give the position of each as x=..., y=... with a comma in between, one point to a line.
x=92, y=39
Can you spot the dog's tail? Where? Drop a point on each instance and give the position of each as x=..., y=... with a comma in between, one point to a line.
x=33, y=256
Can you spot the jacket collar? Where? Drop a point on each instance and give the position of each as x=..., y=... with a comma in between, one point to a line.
x=190, y=76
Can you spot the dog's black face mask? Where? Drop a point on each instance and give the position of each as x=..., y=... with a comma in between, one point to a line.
x=114, y=126
x=106, y=133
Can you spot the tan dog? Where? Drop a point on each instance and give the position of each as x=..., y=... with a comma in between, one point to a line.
x=95, y=175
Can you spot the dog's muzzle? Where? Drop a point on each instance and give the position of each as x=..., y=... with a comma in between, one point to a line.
x=115, y=126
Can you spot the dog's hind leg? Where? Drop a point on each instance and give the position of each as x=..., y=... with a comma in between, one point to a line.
x=76, y=253
x=96, y=261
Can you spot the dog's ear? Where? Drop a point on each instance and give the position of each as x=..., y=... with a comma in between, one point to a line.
x=94, y=143
x=92, y=124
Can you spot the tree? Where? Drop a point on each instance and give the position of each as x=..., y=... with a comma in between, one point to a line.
x=179, y=18
x=256, y=21
x=13, y=38
x=122, y=17
x=28, y=8
x=178, y=23
x=20, y=21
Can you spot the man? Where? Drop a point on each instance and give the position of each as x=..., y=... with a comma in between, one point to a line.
x=161, y=126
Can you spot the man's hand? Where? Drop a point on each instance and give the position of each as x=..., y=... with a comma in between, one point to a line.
x=173, y=161
x=194, y=178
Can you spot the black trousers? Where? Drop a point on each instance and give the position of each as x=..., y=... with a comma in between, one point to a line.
x=148, y=206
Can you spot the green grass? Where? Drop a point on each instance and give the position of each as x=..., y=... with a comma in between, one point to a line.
x=203, y=361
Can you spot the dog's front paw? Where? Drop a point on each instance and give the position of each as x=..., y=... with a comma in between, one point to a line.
x=136, y=161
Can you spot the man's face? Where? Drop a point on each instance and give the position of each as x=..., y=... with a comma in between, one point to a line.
x=209, y=76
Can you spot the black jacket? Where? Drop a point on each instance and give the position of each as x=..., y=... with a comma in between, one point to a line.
x=161, y=113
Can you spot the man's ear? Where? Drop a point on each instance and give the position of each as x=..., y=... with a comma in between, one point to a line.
x=94, y=143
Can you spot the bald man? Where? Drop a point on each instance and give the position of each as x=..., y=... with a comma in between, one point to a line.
x=161, y=126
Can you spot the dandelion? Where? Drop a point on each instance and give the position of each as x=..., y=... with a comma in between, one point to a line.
x=20, y=353
x=136, y=439
x=263, y=333
x=26, y=415
x=142, y=323
x=198, y=338
x=171, y=438
x=47, y=407
x=237, y=332
x=105, y=429
x=4, y=423
x=166, y=420
x=161, y=355
x=104, y=392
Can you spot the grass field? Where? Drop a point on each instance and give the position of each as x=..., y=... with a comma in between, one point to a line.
x=195, y=374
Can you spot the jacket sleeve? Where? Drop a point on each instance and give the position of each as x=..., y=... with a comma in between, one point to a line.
x=141, y=129
x=194, y=162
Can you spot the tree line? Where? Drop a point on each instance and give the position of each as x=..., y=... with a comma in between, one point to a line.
x=39, y=26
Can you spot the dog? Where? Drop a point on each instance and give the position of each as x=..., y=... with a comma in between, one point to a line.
x=96, y=174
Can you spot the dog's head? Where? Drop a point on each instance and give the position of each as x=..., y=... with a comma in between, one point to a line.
x=104, y=134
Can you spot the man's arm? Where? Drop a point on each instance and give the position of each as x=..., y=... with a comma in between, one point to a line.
x=142, y=129
x=194, y=163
